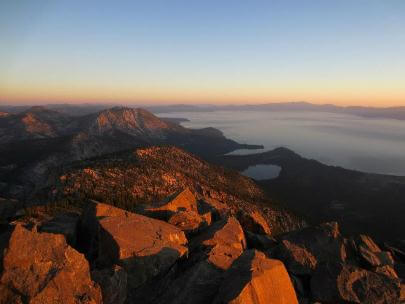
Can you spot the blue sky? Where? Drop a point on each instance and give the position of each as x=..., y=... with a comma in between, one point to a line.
x=343, y=52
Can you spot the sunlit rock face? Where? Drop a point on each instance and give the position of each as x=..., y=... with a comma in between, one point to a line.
x=42, y=268
x=143, y=246
x=256, y=279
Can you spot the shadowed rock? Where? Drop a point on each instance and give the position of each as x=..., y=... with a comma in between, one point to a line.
x=400, y=270
x=183, y=201
x=216, y=207
x=303, y=250
x=9, y=296
x=190, y=221
x=113, y=283
x=260, y=241
x=211, y=253
x=42, y=268
x=255, y=279
x=254, y=222
x=197, y=284
x=66, y=224
x=387, y=271
x=223, y=242
x=337, y=283
x=370, y=253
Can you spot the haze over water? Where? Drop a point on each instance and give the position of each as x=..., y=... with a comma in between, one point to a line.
x=352, y=142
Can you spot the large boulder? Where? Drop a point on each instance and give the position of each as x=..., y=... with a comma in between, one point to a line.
x=197, y=284
x=211, y=254
x=337, y=283
x=214, y=206
x=303, y=250
x=254, y=222
x=190, y=221
x=143, y=246
x=181, y=210
x=183, y=201
x=223, y=242
x=255, y=279
x=42, y=268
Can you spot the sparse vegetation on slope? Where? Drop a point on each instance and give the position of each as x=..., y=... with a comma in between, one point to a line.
x=151, y=174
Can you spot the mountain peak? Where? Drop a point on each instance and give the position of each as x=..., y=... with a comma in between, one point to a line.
x=38, y=109
x=127, y=120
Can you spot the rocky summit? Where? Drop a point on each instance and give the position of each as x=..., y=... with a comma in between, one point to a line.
x=104, y=254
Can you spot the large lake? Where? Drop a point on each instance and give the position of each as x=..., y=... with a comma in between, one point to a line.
x=370, y=145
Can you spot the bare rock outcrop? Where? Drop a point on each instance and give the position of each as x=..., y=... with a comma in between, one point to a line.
x=181, y=210
x=256, y=279
x=337, y=283
x=254, y=222
x=42, y=268
x=223, y=242
x=183, y=201
x=212, y=252
x=303, y=250
x=143, y=246
x=197, y=284
x=190, y=221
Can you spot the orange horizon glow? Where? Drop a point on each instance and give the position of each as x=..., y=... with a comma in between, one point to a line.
x=195, y=96
x=323, y=52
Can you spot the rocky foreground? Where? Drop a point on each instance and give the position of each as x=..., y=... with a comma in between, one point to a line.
x=189, y=250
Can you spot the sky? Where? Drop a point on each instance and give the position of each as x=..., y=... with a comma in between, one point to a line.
x=346, y=52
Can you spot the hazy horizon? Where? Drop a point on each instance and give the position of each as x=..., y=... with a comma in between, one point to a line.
x=228, y=52
x=168, y=104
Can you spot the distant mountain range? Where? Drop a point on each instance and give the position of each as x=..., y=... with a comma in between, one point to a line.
x=37, y=142
x=37, y=139
x=369, y=112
